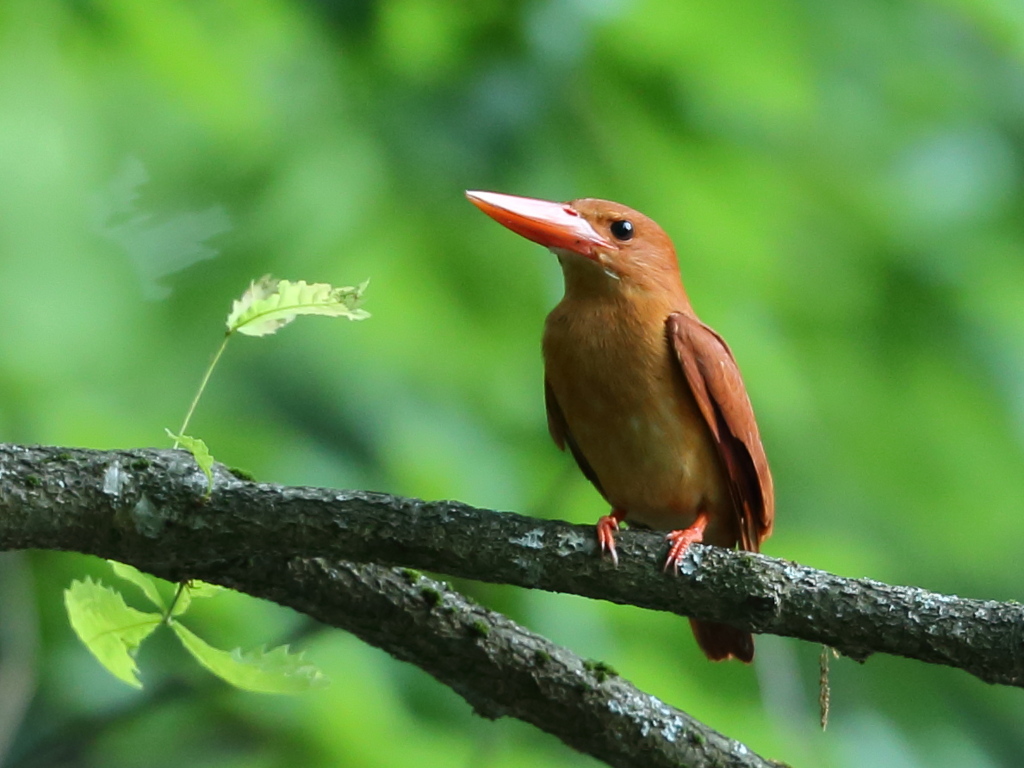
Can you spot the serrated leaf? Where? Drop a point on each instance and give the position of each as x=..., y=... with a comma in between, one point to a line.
x=269, y=304
x=199, y=452
x=110, y=629
x=259, y=671
x=139, y=579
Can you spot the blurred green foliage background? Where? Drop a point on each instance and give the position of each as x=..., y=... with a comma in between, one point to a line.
x=844, y=185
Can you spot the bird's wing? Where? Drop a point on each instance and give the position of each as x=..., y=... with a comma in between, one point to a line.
x=560, y=433
x=714, y=378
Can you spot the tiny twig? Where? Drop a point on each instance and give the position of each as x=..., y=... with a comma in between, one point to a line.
x=824, y=692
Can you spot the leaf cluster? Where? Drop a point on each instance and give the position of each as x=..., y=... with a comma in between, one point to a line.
x=113, y=631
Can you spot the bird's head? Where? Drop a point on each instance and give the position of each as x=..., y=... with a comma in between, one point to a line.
x=601, y=245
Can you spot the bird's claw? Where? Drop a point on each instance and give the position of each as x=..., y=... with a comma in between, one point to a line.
x=681, y=541
x=606, y=528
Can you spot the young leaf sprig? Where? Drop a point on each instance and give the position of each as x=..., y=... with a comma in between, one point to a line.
x=267, y=306
x=113, y=632
x=99, y=615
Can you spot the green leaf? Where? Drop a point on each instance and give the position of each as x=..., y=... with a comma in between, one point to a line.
x=199, y=452
x=269, y=304
x=109, y=628
x=139, y=579
x=260, y=671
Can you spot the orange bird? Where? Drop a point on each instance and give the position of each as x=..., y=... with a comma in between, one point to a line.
x=647, y=398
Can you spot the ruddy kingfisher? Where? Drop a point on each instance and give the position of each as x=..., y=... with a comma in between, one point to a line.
x=647, y=398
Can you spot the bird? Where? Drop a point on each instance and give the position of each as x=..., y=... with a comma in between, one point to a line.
x=647, y=398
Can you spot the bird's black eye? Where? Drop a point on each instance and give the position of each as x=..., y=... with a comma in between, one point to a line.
x=622, y=229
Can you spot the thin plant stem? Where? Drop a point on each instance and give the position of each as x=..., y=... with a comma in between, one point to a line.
x=174, y=601
x=202, y=386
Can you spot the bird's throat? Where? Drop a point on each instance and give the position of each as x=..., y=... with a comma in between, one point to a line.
x=587, y=277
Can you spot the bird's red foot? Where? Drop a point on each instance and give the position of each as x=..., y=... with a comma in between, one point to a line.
x=681, y=540
x=606, y=528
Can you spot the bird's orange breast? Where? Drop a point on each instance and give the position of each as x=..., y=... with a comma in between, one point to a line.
x=632, y=416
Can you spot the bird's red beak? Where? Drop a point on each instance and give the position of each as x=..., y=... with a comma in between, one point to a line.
x=553, y=225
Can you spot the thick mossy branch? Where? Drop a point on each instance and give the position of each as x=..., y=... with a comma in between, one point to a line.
x=499, y=667
x=146, y=507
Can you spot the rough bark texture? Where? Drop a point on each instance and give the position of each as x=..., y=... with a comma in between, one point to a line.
x=147, y=508
x=499, y=667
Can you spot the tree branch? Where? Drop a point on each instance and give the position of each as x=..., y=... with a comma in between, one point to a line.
x=499, y=667
x=51, y=498
x=147, y=507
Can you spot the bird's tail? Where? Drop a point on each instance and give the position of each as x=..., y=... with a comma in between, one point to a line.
x=720, y=641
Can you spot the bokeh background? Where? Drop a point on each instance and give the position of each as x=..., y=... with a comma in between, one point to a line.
x=844, y=185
